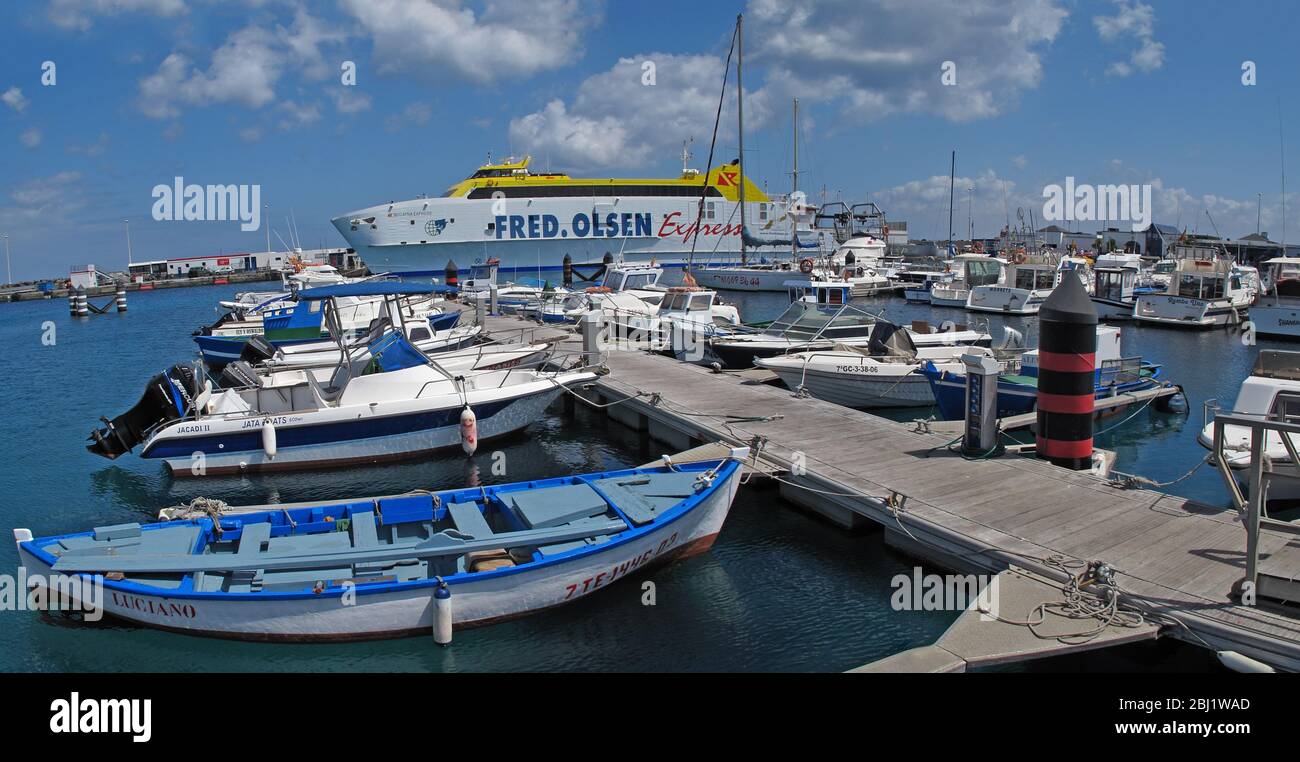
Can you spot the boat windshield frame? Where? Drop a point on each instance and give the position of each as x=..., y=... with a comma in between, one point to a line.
x=808, y=321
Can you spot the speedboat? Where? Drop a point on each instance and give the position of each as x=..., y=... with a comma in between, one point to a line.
x=1018, y=387
x=381, y=567
x=1025, y=283
x=356, y=307
x=884, y=373
x=388, y=403
x=820, y=316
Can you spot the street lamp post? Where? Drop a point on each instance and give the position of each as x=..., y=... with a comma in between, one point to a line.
x=9, y=275
x=129, y=258
x=970, y=219
x=266, y=216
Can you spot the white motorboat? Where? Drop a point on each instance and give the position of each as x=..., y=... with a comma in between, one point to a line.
x=820, y=316
x=884, y=373
x=1272, y=389
x=1277, y=313
x=1206, y=289
x=1115, y=277
x=1024, y=284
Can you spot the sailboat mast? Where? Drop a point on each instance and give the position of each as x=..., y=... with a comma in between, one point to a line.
x=740, y=123
x=794, y=185
x=952, y=174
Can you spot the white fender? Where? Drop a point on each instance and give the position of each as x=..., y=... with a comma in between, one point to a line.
x=468, y=431
x=268, y=439
x=442, y=614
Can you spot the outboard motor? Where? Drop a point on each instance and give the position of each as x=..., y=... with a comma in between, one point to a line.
x=257, y=350
x=166, y=398
x=207, y=330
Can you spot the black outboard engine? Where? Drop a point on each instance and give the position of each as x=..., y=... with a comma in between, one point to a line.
x=165, y=399
x=257, y=350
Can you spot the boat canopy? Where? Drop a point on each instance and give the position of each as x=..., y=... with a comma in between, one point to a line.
x=392, y=352
x=375, y=288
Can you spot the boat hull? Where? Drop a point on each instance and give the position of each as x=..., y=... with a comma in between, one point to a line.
x=1112, y=309
x=859, y=390
x=744, y=279
x=1182, y=312
x=306, y=441
x=1275, y=320
x=384, y=610
x=1008, y=301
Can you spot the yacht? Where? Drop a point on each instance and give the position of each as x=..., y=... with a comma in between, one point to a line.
x=1273, y=390
x=1115, y=277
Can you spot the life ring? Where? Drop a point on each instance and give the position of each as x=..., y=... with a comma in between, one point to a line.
x=1020, y=257
x=806, y=266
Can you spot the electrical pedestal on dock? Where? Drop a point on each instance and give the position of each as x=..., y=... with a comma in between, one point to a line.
x=981, y=434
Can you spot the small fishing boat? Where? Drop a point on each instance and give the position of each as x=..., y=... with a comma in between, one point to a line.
x=385, y=567
x=820, y=316
x=1018, y=387
x=632, y=283
x=885, y=373
x=969, y=270
x=1025, y=283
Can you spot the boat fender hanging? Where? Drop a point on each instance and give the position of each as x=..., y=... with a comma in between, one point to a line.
x=468, y=431
x=268, y=438
x=442, y=613
x=806, y=266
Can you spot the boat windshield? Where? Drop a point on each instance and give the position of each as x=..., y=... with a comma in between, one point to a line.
x=807, y=320
x=983, y=273
x=1035, y=278
x=1195, y=286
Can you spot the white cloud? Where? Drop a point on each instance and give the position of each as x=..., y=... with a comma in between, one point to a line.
x=417, y=114
x=40, y=192
x=80, y=14
x=14, y=99
x=1133, y=20
x=1020, y=161
x=244, y=70
x=887, y=56
x=295, y=114
x=617, y=121
x=30, y=137
x=866, y=59
x=348, y=101
x=509, y=38
x=91, y=149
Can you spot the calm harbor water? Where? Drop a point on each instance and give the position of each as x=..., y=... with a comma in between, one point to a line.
x=781, y=590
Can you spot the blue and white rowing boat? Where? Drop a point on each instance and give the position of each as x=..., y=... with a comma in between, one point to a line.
x=383, y=567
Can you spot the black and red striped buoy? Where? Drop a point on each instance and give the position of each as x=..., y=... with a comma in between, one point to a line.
x=1067, y=362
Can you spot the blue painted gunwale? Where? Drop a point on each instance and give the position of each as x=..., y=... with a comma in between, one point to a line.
x=468, y=494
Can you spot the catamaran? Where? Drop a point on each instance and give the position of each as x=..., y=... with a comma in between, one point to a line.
x=414, y=564
x=530, y=220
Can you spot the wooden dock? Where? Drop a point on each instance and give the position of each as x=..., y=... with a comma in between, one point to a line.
x=1175, y=560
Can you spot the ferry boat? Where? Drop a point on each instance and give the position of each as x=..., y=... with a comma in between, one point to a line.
x=1278, y=311
x=531, y=220
x=1205, y=289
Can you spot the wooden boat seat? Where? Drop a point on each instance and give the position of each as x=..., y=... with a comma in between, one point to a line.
x=252, y=536
x=364, y=533
x=117, y=531
x=642, y=498
x=469, y=519
x=555, y=506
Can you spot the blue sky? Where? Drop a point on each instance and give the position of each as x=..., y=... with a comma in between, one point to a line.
x=249, y=91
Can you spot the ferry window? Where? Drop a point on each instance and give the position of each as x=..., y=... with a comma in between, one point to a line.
x=762, y=211
x=708, y=210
